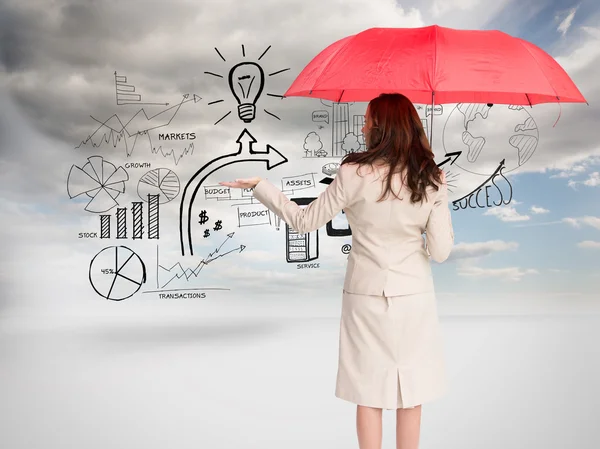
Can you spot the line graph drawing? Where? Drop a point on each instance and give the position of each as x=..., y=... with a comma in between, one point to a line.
x=98, y=179
x=246, y=81
x=167, y=275
x=136, y=132
x=117, y=273
x=125, y=93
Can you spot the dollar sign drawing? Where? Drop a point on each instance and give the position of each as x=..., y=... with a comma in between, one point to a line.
x=206, y=233
x=203, y=217
x=218, y=226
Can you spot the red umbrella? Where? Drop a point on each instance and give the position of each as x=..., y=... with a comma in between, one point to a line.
x=438, y=65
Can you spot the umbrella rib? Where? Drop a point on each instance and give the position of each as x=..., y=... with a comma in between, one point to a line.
x=331, y=59
x=434, y=60
x=540, y=67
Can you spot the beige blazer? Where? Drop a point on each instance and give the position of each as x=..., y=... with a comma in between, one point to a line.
x=390, y=256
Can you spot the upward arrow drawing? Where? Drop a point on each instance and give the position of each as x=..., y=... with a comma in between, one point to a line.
x=449, y=157
x=229, y=236
x=245, y=153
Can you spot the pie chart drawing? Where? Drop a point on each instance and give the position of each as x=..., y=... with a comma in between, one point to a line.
x=160, y=181
x=100, y=180
x=117, y=273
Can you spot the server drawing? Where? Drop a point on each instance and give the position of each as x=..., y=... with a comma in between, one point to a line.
x=301, y=247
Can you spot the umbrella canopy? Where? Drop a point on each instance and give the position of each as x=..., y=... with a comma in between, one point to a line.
x=438, y=65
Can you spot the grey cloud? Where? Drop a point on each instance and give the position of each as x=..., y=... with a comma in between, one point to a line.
x=163, y=48
x=59, y=68
x=83, y=34
x=17, y=44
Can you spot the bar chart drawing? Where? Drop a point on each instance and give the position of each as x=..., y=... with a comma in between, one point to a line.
x=122, y=223
x=138, y=223
x=126, y=93
x=104, y=226
x=137, y=220
x=153, y=201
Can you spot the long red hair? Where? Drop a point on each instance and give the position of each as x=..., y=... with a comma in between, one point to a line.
x=397, y=139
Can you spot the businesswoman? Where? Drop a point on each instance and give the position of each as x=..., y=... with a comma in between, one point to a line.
x=391, y=353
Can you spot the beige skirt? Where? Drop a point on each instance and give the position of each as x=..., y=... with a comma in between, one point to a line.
x=391, y=353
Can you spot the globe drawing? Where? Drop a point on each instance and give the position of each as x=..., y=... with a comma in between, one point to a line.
x=487, y=134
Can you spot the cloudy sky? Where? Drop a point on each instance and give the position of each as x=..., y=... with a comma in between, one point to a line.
x=104, y=80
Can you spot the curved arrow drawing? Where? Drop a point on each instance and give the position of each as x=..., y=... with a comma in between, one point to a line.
x=497, y=172
x=245, y=153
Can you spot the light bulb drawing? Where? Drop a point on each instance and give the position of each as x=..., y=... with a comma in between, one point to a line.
x=246, y=81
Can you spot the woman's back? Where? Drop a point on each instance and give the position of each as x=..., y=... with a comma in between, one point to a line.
x=390, y=352
x=389, y=255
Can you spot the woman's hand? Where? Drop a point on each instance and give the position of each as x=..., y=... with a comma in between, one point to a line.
x=248, y=183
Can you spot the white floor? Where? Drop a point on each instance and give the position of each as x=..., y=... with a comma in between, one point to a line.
x=179, y=383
